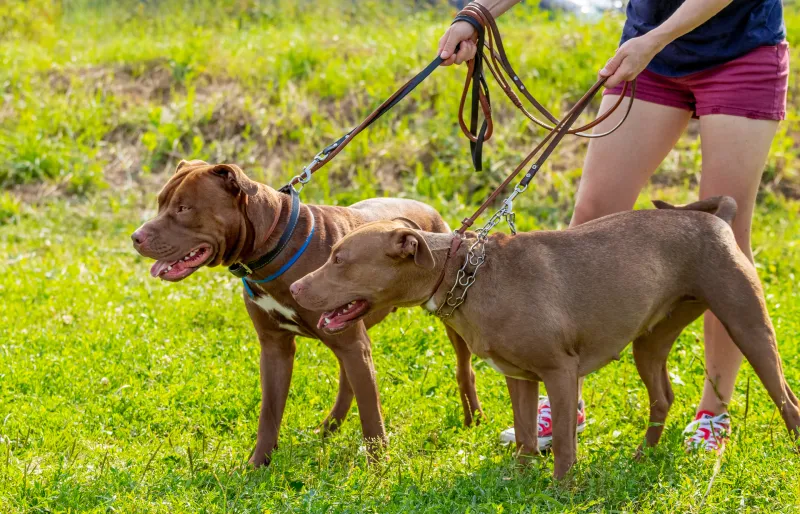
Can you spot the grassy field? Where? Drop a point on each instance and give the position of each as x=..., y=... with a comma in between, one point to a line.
x=121, y=393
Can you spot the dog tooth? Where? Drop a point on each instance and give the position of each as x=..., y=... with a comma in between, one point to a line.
x=327, y=320
x=169, y=268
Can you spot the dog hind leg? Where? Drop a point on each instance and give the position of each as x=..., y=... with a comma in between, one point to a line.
x=737, y=299
x=650, y=352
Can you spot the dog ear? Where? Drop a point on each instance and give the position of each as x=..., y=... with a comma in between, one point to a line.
x=407, y=222
x=235, y=179
x=408, y=242
x=194, y=162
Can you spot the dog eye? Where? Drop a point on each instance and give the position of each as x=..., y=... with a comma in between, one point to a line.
x=338, y=260
x=183, y=208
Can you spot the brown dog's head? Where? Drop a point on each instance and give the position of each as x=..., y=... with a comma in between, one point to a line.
x=204, y=212
x=380, y=265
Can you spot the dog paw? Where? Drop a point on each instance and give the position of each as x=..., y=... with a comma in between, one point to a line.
x=259, y=462
x=328, y=427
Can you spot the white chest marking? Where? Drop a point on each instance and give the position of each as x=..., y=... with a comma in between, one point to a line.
x=268, y=303
x=291, y=328
x=430, y=305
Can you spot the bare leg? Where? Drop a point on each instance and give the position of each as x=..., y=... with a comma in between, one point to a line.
x=525, y=402
x=734, y=152
x=466, y=379
x=618, y=166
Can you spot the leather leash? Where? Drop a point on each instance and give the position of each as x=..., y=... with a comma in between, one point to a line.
x=465, y=278
x=330, y=151
x=497, y=63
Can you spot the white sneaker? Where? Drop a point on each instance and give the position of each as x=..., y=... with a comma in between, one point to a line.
x=708, y=432
x=507, y=436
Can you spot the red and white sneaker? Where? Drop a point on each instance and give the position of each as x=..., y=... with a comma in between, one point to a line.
x=708, y=432
x=545, y=425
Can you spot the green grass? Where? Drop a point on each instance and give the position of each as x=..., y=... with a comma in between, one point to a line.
x=121, y=393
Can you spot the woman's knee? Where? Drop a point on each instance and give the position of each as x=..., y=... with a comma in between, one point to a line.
x=589, y=207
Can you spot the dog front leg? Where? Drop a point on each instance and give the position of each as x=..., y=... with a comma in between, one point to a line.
x=525, y=404
x=466, y=379
x=353, y=349
x=277, y=361
x=344, y=399
x=562, y=389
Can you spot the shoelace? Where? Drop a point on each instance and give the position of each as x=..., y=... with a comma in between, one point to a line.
x=708, y=431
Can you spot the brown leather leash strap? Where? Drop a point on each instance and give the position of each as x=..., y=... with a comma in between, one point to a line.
x=329, y=152
x=498, y=65
x=465, y=278
x=553, y=138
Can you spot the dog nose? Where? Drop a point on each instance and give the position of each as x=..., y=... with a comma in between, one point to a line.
x=139, y=237
x=296, y=288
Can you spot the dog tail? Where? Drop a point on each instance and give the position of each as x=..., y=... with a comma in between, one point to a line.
x=723, y=207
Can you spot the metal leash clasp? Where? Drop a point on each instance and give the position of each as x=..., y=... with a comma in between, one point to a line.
x=305, y=177
x=508, y=208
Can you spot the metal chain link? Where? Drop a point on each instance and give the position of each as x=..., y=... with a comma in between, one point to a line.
x=476, y=256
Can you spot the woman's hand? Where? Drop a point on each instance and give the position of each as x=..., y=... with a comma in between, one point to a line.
x=459, y=32
x=631, y=59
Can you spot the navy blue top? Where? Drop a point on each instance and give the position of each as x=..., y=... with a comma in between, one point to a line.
x=739, y=28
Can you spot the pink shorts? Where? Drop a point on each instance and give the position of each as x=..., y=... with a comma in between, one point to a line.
x=751, y=86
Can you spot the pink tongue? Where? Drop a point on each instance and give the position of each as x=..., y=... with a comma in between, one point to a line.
x=158, y=267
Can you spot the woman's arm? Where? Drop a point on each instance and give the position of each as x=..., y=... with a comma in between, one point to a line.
x=463, y=32
x=635, y=54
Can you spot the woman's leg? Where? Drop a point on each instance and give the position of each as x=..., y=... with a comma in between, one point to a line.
x=734, y=150
x=619, y=165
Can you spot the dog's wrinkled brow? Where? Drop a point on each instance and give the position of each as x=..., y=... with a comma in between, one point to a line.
x=169, y=188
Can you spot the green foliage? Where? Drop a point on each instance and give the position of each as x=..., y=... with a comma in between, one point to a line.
x=267, y=84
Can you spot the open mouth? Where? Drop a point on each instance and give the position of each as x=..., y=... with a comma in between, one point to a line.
x=183, y=267
x=342, y=317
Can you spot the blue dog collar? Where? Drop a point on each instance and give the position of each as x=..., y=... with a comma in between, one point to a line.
x=283, y=269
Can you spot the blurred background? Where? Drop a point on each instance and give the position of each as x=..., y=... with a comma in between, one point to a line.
x=111, y=94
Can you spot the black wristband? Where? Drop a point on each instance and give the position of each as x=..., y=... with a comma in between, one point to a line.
x=469, y=19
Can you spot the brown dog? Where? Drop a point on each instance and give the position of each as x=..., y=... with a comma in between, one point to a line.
x=214, y=214
x=555, y=306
